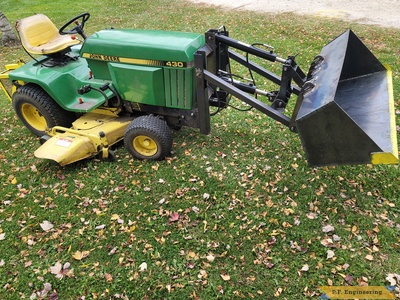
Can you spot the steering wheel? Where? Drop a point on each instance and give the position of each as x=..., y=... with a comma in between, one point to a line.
x=78, y=26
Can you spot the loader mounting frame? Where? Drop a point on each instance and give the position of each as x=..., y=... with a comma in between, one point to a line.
x=213, y=60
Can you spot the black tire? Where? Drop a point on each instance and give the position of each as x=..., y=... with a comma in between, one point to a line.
x=148, y=137
x=38, y=111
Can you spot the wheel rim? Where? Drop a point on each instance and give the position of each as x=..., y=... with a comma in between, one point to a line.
x=145, y=145
x=33, y=117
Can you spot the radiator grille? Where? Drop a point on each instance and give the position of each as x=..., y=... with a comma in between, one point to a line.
x=179, y=89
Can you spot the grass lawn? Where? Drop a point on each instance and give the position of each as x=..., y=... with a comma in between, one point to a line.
x=235, y=214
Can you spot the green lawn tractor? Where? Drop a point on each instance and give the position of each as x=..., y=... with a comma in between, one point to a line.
x=81, y=95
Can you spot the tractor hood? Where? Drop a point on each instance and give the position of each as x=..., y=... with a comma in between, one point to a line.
x=125, y=45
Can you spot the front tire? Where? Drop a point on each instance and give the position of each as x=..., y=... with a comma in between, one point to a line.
x=38, y=111
x=148, y=137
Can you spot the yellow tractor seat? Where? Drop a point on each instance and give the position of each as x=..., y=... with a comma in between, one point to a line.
x=39, y=35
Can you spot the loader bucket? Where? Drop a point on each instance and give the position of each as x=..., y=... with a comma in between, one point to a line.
x=347, y=111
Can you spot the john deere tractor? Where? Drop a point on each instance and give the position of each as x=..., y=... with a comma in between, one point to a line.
x=82, y=94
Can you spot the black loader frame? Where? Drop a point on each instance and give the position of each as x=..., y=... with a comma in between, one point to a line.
x=215, y=83
x=212, y=63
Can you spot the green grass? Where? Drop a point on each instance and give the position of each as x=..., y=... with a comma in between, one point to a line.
x=251, y=212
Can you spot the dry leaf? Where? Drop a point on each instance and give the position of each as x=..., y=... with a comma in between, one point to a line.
x=28, y=264
x=56, y=269
x=108, y=277
x=174, y=217
x=2, y=236
x=312, y=215
x=46, y=225
x=192, y=254
x=78, y=255
x=113, y=250
x=143, y=267
x=305, y=268
x=330, y=254
x=369, y=257
x=349, y=279
x=114, y=217
x=225, y=277
x=328, y=228
x=202, y=274
x=278, y=292
x=43, y=293
x=327, y=243
x=393, y=278
x=210, y=257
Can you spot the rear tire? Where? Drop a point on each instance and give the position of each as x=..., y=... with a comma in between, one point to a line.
x=38, y=111
x=148, y=137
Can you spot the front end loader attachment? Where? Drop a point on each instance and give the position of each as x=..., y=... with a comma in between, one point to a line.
x=347, y=112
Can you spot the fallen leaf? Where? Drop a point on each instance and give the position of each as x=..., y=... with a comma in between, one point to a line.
x=113, y=250
x=66, y=266
x=311, y=215
x=53, y=296
x=393, y=278
x=2, y=236
x=330, y=254
x=108, y=277
x=174, y=217
x=278, y=292
x=46, y=225
x=46, y=289
x=61, y=270
x=192, y=254
x=225, y=277
x=202, y=274
x=210, y=257
x=28, y=263
x=369, y=257
x=328, y=228
x=56, y=269
x=78, y=255
x=114, y=217
x=349, y=279
x=143, y=267
x=327, y=243
x=305, y=268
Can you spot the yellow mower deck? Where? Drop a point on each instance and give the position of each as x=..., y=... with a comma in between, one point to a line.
x=91, y=134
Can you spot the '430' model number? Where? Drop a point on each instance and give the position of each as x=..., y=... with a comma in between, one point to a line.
x=175, y=64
